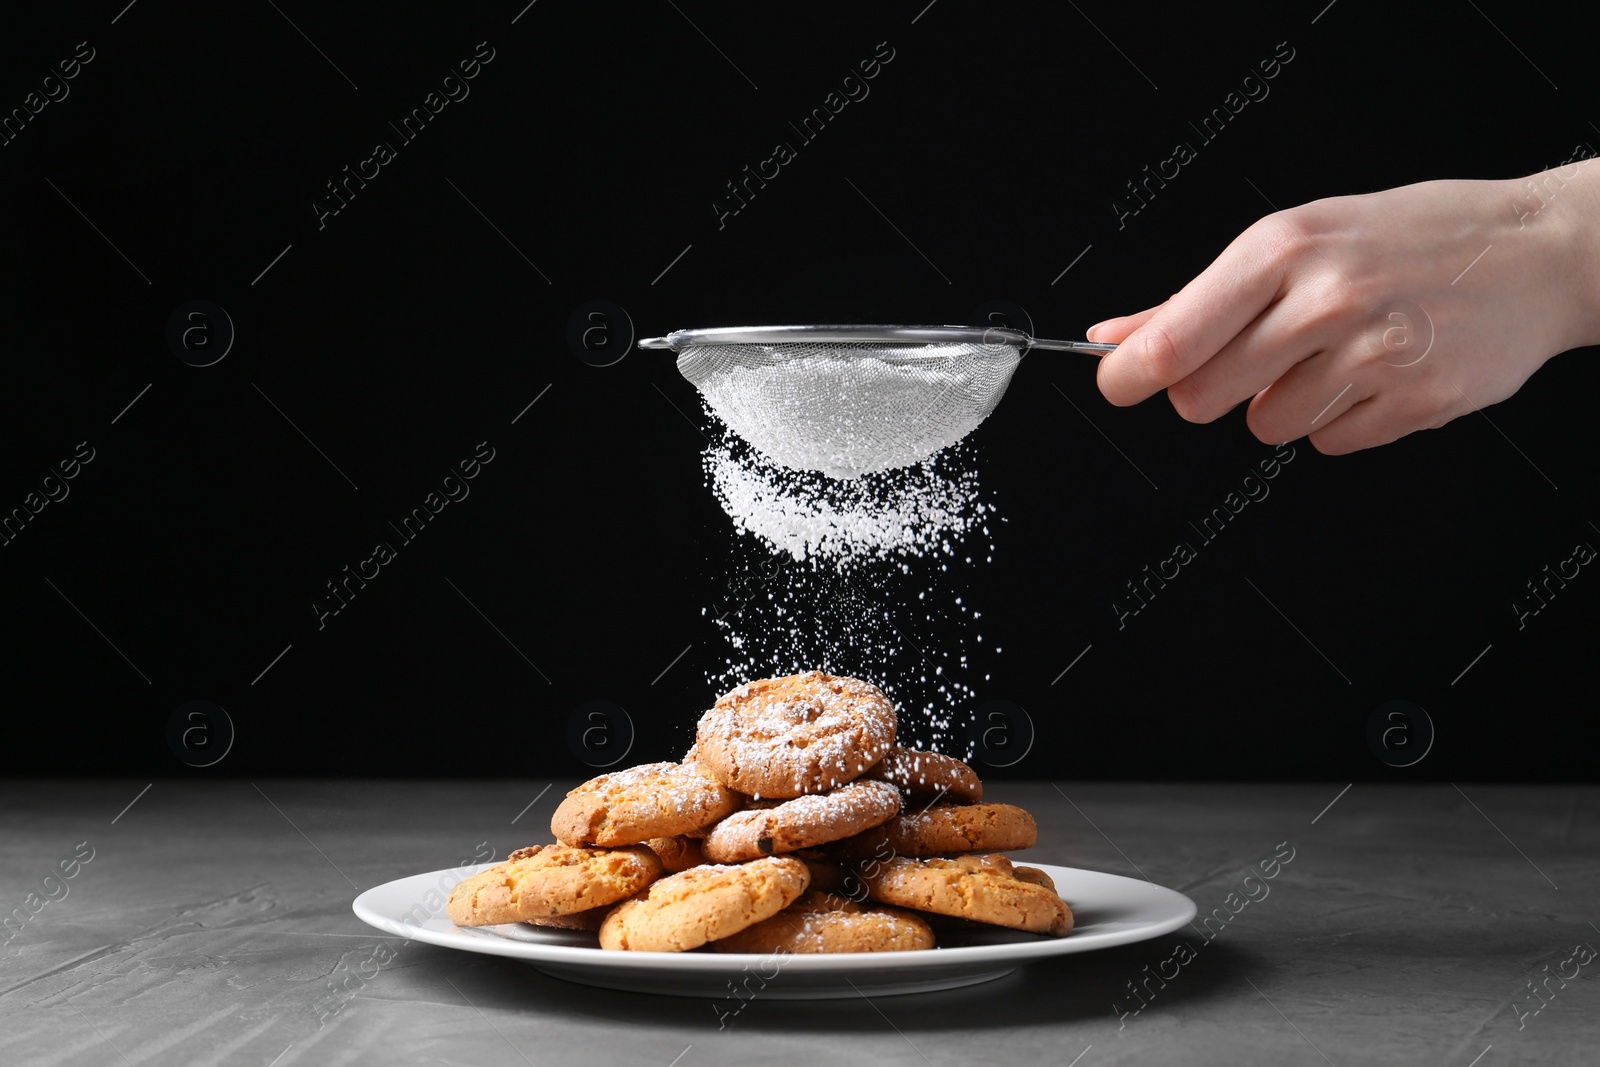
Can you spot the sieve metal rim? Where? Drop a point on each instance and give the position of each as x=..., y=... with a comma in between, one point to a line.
x=866, y=334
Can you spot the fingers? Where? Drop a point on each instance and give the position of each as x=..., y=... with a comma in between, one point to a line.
x=1310, y=396
x=1199, y=320
x=1373, y=422
x=1389, y=415
x=1285, y=334
x=1112, y=331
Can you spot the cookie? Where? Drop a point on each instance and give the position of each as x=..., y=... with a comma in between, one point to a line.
x=803, y=733
x=684, y=911
x=822, y=922
x=578, y=920
x=553, y=880
x=946, y=828
x=1034, y=875
x=677, y=853
x=981, y=888
x=632, y=806
x=928, y=776
x=803, y=822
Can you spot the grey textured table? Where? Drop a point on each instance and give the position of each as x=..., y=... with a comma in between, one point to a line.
x=211, y=924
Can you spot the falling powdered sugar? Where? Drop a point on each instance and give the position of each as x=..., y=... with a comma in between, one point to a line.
x=912, y=511
x=869, y=578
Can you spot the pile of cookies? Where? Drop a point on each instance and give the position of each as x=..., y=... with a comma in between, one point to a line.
x=793, y=824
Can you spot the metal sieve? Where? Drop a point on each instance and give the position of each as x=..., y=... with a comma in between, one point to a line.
x=850, y=400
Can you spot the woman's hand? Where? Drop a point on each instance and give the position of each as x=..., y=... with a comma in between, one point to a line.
x=1359, y=319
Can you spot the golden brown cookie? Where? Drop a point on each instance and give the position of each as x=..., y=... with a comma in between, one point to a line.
x=552, y=880
x=1034, y=875
x=578, y=920
x=632, y=806
x=946, y=828
x=677, y=853
x=684, y=911
x=981, y=888
x=822, y=922
x=928, y=776
x=803, y=733
x=803, y=822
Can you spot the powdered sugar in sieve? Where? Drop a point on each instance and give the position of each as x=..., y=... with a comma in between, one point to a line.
x=850, y=400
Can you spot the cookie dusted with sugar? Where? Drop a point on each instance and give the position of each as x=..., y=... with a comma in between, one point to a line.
x=803, y=822
x=984, y=889
x=802, y=733
x=946, y=828
x=632, y=806
x=546, y=883
x=928, y=776
x=822, y=922
x=684, y=911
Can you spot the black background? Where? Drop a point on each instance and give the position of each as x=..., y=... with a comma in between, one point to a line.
x=408, y=330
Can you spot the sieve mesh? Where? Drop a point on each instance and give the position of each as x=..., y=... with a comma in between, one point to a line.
x=850, y=408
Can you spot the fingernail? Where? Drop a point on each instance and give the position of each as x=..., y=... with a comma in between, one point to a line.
x=1090, y=332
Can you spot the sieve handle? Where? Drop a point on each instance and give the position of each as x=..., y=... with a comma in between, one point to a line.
x=1093, y=347
x=678, y=340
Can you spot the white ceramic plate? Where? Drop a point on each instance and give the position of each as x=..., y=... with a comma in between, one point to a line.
x=1107, y=909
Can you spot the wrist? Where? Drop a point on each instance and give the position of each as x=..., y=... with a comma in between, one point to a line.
x=1560, y=208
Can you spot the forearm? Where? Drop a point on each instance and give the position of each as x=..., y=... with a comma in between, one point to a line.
x=1560, y=208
